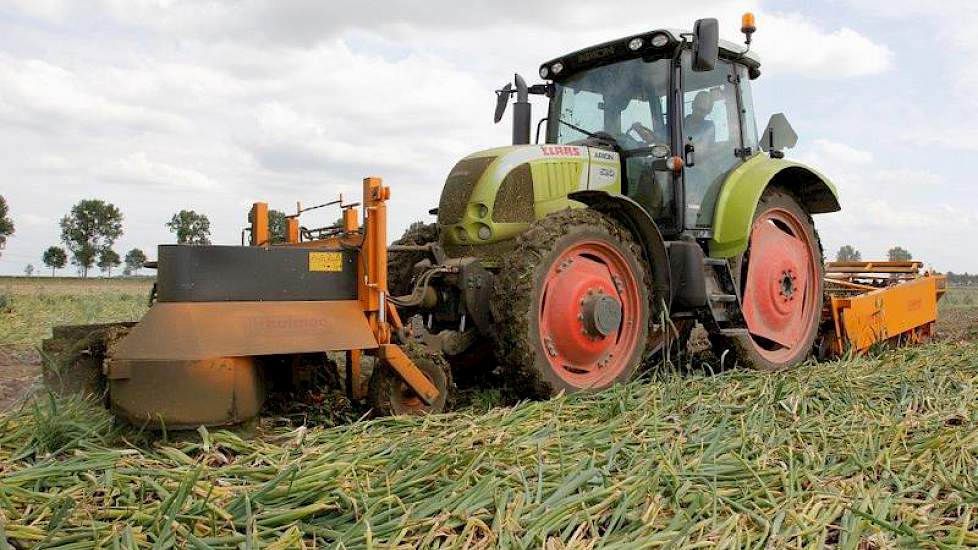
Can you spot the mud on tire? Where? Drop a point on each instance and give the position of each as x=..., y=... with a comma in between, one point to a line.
x=518, y=288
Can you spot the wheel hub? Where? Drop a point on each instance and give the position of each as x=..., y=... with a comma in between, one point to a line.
x=601, y=315
x=788, y=284
x=589, y=314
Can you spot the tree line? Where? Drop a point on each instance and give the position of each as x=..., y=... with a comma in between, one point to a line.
x=848, y=253
x=92, y=226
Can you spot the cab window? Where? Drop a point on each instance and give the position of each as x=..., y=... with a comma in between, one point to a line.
x=711, y=125
x=747, y=107
x=627, y=100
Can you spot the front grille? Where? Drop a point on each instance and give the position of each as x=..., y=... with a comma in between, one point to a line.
x=458, y=188
x=514, y=201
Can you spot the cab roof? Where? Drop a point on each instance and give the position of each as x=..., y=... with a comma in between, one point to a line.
x=617, y=50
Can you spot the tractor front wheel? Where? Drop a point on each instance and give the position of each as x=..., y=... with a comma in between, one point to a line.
x=571, y=304
x=780, y=278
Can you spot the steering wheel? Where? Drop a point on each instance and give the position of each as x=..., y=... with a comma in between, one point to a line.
x=642, y=131
x=628, y=143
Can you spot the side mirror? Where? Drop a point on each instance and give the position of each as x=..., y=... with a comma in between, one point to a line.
x=778, y=135
x=706, y=50
x=502, y=100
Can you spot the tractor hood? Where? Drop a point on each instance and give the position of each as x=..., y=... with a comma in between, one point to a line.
x=493, y=195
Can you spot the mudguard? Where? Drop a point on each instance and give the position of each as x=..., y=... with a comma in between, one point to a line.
x=743, y=188
x=637, y=220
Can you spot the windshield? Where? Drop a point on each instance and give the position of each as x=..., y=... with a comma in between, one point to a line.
x=628, y=100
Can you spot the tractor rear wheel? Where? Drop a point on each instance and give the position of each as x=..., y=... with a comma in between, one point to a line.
x=389, y=395
x=571, y=304
x=780, y=278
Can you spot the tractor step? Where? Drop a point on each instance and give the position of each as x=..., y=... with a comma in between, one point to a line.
x=723, y=299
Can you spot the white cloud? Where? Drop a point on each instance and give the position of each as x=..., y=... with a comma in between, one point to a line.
x=141, y=170
x=840, y=153
x=792, y=44
x=885, y=206
x=48, y=97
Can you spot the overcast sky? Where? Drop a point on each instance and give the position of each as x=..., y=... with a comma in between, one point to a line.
x=161, y=105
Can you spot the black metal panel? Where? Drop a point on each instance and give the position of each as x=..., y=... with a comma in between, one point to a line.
x=688, y=282
x=251, y=273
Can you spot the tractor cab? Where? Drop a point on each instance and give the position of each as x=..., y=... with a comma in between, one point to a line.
x=675, y=106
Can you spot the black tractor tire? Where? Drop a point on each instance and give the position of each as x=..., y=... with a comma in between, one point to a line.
x=400, y=264
x=745, y=350
x=516, y=305
x=389, y=395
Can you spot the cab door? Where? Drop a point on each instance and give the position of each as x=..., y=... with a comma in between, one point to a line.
x=711, y=135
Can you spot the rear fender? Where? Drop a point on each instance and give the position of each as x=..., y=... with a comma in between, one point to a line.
x=743, y=189
x=630, y=214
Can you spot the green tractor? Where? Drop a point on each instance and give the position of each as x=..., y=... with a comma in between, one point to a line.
x=651, y=204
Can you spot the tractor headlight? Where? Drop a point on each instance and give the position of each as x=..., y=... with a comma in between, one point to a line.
x=483, y=211
x=635, y=43
x=660, y=39
x=557, y=67
x=485, y=233
x=544, y=72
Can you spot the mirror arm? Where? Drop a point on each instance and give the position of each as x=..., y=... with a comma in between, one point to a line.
x=542, y=89
x=539, y=124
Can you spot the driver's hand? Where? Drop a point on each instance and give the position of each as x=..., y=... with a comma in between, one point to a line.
x=646, y=134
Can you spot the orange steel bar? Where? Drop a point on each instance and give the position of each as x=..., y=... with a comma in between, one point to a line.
x=850, y=284
x=292, y=230
x=411, y=374
x=350, y=222
x=354, y=389
x=375, y=255
x=259, y=224
x=873, y=267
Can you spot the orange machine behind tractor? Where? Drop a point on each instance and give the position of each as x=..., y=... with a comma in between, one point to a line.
x=869, y=303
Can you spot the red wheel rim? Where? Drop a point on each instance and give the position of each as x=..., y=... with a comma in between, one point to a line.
x=585, y=342
x=781, y=286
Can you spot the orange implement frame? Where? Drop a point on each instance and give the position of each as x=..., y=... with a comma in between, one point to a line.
x=873, y=302
x=379, y=314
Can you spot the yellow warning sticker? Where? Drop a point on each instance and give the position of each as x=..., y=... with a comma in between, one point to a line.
x=325, y=261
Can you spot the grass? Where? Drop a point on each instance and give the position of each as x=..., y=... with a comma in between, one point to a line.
x=960, y=296
x=29, y=307
x=870, y=453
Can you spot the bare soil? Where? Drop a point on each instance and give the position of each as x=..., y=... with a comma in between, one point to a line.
x=958, y=323
x=20, y=372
